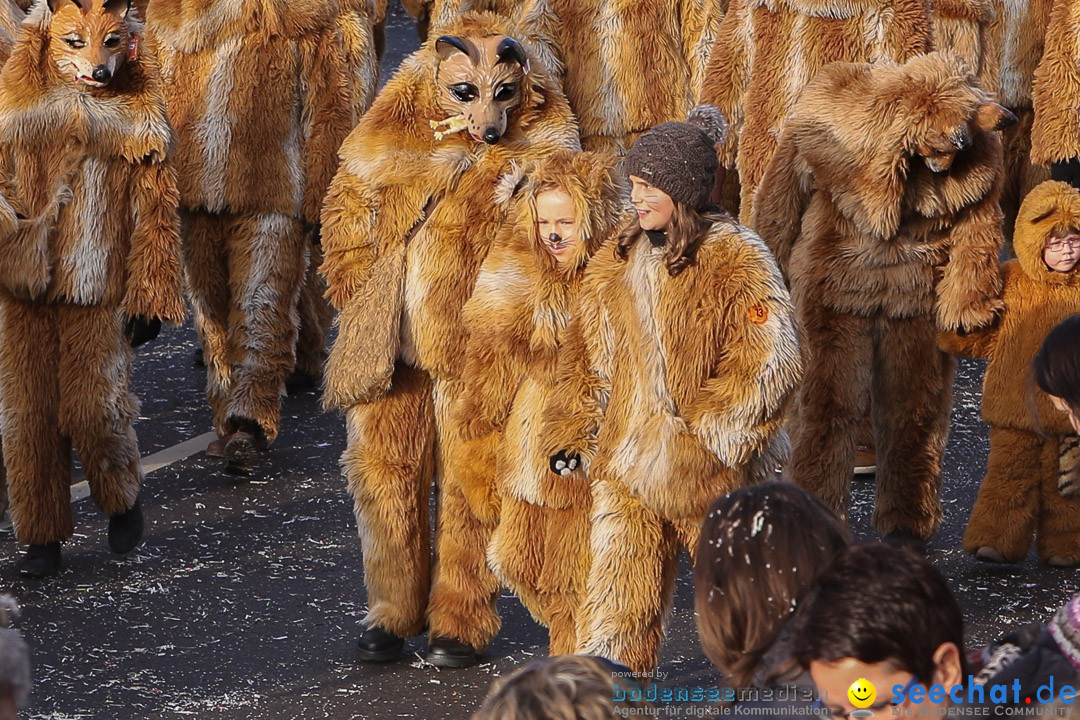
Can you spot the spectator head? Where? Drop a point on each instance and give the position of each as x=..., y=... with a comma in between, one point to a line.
x=564, y=687
x=14, y=662
x=761, y=549
x=1056, y=368
x=885, y=615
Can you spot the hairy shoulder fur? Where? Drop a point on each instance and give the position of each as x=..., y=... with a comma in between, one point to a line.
x=193, y=25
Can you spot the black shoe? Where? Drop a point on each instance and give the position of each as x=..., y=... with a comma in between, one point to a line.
x=450, y=653
x=378, y=645
x=126, y=529
x=904, y=539
x=40, y=560
x=243, y=447
x=199, y=359
x=300, y=382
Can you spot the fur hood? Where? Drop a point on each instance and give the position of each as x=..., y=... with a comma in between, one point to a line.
x=866, y=158
x=1049, y=206
x=126, y=119
x=194, y=25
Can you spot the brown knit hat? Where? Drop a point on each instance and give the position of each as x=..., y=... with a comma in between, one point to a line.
x=680, y=157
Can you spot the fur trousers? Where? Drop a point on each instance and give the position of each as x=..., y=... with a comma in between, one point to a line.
x=244, y=274
x=395, y=447
x=910, y=381
x=65, y=377
x=542, y=555
x=1019, y=498
x=316, y=316
x=631, y=579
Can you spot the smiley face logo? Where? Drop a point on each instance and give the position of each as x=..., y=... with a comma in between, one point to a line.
x=862, y=693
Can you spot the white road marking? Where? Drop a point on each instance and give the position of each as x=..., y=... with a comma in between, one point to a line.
x=156, y=461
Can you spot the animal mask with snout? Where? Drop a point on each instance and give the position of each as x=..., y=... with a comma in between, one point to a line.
x=90, y=40
x=481, y=80
x=950, y=133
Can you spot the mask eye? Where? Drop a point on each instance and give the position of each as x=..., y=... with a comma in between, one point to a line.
x=505, y=92
x=75, y=42
x=464, y=92
x=112, y=41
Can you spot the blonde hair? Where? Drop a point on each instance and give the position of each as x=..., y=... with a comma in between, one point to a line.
x=564, y=687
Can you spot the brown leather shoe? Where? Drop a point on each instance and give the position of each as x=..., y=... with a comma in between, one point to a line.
x=865, y=460
x=216, y=449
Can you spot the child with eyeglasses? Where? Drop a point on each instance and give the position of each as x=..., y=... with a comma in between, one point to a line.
x=1031, y=441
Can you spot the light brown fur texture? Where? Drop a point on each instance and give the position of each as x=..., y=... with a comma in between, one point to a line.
x=670, y=387
x=1056, y=92
x=95, y=240
x=261, y=93
x=766, y=51
x=880, y=250
x=1019, y=495
x=406, y=225
x=516, y=316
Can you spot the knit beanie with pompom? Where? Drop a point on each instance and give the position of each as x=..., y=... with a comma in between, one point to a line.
x=680, y=157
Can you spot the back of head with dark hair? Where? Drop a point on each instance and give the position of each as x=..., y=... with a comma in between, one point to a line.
x=760, y=551
x=878, y=603
x=1056, y=367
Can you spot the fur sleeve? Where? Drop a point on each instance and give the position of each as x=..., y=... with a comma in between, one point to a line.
x=573, y=415
x=1055, y=134
x=728, y=74
x=700, y=21
x=959, y=26
x=969, y=291
x=781, y=197
x=367, y=286
x=496, y=320
x=326, y=115
x=758, y=365
x=909, y=33
x=155, y=285
x=361, y=65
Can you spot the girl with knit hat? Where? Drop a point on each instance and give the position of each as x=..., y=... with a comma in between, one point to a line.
x=674, y=378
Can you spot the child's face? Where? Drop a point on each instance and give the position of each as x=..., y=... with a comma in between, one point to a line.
x=557, y=224
x=1061, y=254
x=1062, y=405
x=654, y=206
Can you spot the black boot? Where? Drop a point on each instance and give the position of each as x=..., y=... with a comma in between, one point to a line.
x=378, y=645
x=243, y=446
x=40, y=560
x=126, y=529
x=300, y=382
x=450, y=653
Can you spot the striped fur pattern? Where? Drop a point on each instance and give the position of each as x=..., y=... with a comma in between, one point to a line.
x=1068, y=464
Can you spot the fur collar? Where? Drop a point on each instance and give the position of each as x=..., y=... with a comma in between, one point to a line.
x=127, y=119
x=190, y=26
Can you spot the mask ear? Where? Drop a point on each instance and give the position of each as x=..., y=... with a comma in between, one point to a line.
x=58, y=5
x=991, y=116
x=510, y=50
x=118, y=7
x=447, y=45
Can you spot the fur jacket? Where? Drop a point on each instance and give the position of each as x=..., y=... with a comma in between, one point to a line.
x=261, y=95
x=517, y=317
x=675, y=384
x=768, y=50
x=409, y=219
x=853, y=212
x=1055, y=136
x=1012, y=48
x=1036, y=299
x=89, y=207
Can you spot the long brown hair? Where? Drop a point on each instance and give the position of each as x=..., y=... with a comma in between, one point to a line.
x=685, y=233
x=760, y=551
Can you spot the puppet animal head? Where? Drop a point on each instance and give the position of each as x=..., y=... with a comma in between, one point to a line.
x=480, y=81
x=90, y=40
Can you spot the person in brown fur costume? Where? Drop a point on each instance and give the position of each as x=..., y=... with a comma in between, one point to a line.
x=1054, y=139
x=408, y=220
x=882, y=207
x=524, y=295
x=674, y=379
x=260, y=94
x=90, y=238
x=1019, y=495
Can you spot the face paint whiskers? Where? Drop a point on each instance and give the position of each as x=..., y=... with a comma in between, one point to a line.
x=555, y=242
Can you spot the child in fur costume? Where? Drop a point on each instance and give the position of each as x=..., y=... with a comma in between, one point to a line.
x=882, y=207
x=516, y=318
x=261, y=96
x=1019, y=495
x=90, y=237
x=408, y=221
x=673, y=382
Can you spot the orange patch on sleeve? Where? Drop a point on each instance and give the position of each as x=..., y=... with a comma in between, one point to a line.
x=759, y=314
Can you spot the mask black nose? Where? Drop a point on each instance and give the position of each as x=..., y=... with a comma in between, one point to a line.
x=491, y=136
x=101, y=74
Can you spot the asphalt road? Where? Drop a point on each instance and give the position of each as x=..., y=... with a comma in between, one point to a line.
x=245, y=599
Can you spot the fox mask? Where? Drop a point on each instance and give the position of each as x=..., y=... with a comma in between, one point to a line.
x=480, y=82
x=90, y=40
x=949, y=135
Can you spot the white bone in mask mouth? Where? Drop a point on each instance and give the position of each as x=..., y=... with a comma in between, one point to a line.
x=87, y=80
x=449, y=126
